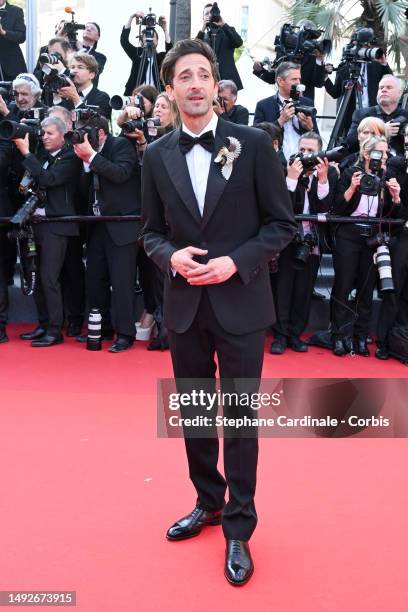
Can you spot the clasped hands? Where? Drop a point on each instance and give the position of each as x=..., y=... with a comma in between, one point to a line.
x=217, y=270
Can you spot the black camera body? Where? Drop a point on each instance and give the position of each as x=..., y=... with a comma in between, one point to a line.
x=91, y=116
x=311, y=160
x=85, y=114
x=149, y=22
x=293, y=43
x=6, y=91
x=71, y=29
x=215, y=14
x=370, y=184
x=361, y=49
x=9, y=130
x=50, y=58
x=150, y=127
x=295, y=92
x=53, y=81
x=304, y=247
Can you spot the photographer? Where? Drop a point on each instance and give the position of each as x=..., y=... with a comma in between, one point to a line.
x=223, y=39
x=359, y=193
x=309, y=61
x=312, y=188
x=281, y=109
x=141, y=106
x=387, y=109
x=81, y=91
x=275, y=134
x=225, y=106
x=6, y=210
x=27, y=92
x=90, y=39
x=59, y=49
x=114, y=179
x=12, y=35
x=393, y=305
x=55, y=173
x=368, y=127
x=369, y=73
x=136, y=54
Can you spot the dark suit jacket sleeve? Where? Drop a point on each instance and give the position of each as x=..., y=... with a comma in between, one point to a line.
x=335, y=89
x=242, y=115
x=101, y=99
x=259, y=113
x=62, y=171
x=154, y=234
x=18, y=33
x=130, y=50
x=265, y=75
x=101, y=62
x=341, y=207
x=352, y=137
x=277, y=223
x=121, y=169
x=232, y=36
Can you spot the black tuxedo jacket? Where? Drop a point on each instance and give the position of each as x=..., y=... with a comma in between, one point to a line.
x=226, y=40
x=268, y=109
x=249, y=217
x=118, y=171
x=238, y=114
x=96, y=97
x=6, y=208
x=11, y=57
x=59, y=182
x=135, y=54
x=341, y=207
x=396, y=142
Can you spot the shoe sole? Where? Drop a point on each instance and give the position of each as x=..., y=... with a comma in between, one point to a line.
x=213, y=523
x=238, y=584
x=48, y=345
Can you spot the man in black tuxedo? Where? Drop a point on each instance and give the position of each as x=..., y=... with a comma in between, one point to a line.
x=82, y=91
x=225, y=106
x=12, y=35
x=148, y=76
x=387, y=109
x=224, y=39
x=55, y=171
x=114, y=176
x=279, y=109
x=312, y=191
x=90, y=40
x=6, y=210
x=213, y=237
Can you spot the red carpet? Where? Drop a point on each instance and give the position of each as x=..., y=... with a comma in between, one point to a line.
x=88, y=491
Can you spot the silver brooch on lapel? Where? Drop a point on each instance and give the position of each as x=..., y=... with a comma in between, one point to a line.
x=227, y=155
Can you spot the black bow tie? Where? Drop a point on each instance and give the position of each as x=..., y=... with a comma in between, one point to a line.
x=187, y=142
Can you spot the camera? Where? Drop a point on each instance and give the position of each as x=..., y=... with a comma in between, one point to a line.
x=78, y=135
x=361, y=49
x=215, y=14
x=53, y=81
x=85, y=114
x=37, y=114
x=71, y=28
x=150, y=127
x=304, y=247
x=50, y=58
x=382, y=259
x=10, y=130
x=121, y=102
x=295, y=92
x=370, y=184
x=149, y=22
x=6, y=91
x=294, y=42
x=311, y=160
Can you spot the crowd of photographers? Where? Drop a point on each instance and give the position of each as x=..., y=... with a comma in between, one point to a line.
x=58, y=158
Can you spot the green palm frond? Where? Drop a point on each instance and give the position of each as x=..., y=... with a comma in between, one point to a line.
x=392, y=16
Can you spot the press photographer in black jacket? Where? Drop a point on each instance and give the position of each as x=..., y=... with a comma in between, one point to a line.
x=55, y=172
x=353, y=258
x=114, y=179
x=12, y=35
x=312, y=190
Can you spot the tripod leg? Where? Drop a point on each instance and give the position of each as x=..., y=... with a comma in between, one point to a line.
x=141, y=71
x=338, y=127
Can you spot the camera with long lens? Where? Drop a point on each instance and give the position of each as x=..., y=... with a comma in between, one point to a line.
x=294, y=42
x=6, y=91
x=50, y=58
x=370, y=184
x=295, y=92
x=150, y=127
x=121, y=102
x=53, y=81
x=10, y=130
x=303, y=248
x=85, y=114
x=91, y=128
x=36, y=196
x=382, y=259
x=311, y=160
x=360, y=49
x=35, y=114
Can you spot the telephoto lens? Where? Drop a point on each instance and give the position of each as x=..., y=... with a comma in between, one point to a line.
x=383, y=260
x=94, y=340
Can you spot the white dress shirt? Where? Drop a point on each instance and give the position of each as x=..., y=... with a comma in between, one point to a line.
x=40, y=211
x=198, y=162
x=291, y=137
x=367, y=207
x=83, y=94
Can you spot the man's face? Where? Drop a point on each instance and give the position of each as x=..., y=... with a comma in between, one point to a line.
x=24, y=98
x=80, y=74
x=90, y=35
x=62, y=116
x=207, y=13
x=56, y=48
x=52, y=138
x=389, y=92
x=193, y=88
x=285, y=84
x=228, y=98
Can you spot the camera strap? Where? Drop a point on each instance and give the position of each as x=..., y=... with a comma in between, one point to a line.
x=96, y=188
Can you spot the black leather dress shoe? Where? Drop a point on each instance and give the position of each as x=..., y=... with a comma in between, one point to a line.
x=278, y=346
x=239, y=566
x=296, y=344
x=192, y=524
x=338, y=348
x=38, y=332
x=73, y=330
x=47, y=340
x=122, y=343
x=3, y=336
x=381, y=351
x=361, y=347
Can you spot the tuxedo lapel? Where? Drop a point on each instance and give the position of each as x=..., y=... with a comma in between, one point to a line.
x=177, y=169
x=216, y=182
